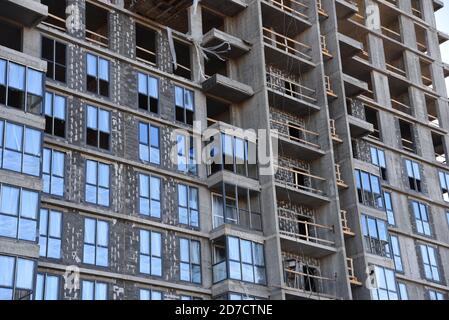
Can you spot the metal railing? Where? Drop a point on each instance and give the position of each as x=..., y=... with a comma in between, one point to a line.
x=55, y=22
x=286, y=44
x=306, y=136
x=290, y=87
x=304, y=282
x=297, y=176
x=291, y=6
x=242, y=217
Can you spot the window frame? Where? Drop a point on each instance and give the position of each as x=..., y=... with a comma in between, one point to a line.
x=51, y=175
x=375, y=199
x=14, y=277
x=150, y=293
x=98, y=131
x=149, y=145
x=191, y=265
x=184, y=107
x=150, y=196
x=95, y=244
x=97, y=185
x=388, y=202
x=97, y=75
x=396, y=253
x=94, y=287
x=189, y=147
x=379, y=161
x=149, y=97
x=47, y=234
x=150, y=254
x=435, y=275
x=413, y=169
x=381, y=272
x=444, y=179
x=52, y=116
x=45, y=276
x=420, y=222
x=376, y=243
x=53, y=62
x=190, y=211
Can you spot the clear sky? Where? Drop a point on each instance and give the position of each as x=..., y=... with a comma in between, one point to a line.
x=443, y=25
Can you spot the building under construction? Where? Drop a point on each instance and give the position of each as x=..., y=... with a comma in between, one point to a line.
x=95, y=96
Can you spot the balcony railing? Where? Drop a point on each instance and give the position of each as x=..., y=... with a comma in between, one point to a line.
x=339, y=178
x=324, y=49
x=55, y=22
x=396, y=70
x=286, y=44
x=391, y=34
x=309, y=283
x=298, y=177
x=97, y=38
x=293, y=7
x=242, y=217
x=344, y=223
x=285, y=86
x=400, y=106
x=145, y=55
x=334, y=133
x=291, y=225
x=305, y=136
x=377, y=247
x=351, y=272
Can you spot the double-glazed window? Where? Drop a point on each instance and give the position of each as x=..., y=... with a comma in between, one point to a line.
x=186, y=154
x=414, y=176
x=96, y=242
x=429, y=259
x=16, y=278
x=150, y=196
x=396, y=252
x=386, y=285
x=20, y=148
x=18, y=213
x=184, y=102
x=246, y=261
x=149, y=143
x=21, y=87
x=50, y=230
x=378, y=159
x=190, y=260
x=368, y=189
x=435, y=295
x=188, y=206
x=148, y=92
x=55, y=111
x=146, y=294
x=150, y=255
x=422, y=221
x=97, y=183
x=376, y=236
x=98, y=127
x=389, y=209
x=47, y=287
x=54, y=52
x=94, y=290
x=97, y=75
x=53, y=172
x=444, y=183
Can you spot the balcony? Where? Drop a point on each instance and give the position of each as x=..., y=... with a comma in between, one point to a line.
x=231, y=90
x=26, y=12
x=286, y=12
x=215, y=37
x=300, y=234
x=228, y=7
x=353, y=86
x=292, y=95
x=348, y=46
x=359, y=127
x=297, y=141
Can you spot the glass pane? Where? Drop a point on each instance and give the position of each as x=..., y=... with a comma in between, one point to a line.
x=245, y=247
x=372, y=228
x=48, y=104
x=32, y=142
x=16, y=77
x=6, y=271
x=25, y=272
x=233, y=248
x=27, y=230
x=144, y=294
x=144, y=186
x=374, y=158
x=153, y=87
x=144, y=265
x=29, y=204
x=408, y=164
x=185, y=272
x=179, y=96
x=195, y=252
x=92, y=117
x=39, y=294
x=91, y=65
x=13, y=137
x=188, y=99
x=102, y=257
x=89, y=254
x=102, y=233
x=103, y=177
x=54, y=248
x=51, y=288
x=155, y=188
x=104, y=69
x=182, y=195
x=143, y=133
x=59, y=107
x=8, y=226
x=2, y=71
x=58, y=164
x=46, y=161
x=10, y=200
x=156, y=244
x=104, y=121
x=43, y=222
x=154, y=137
x=143, y=83
x=145, y=242
x=258, y=254
x=416, y=173
x=234, y=270
x=34, y=82
x=193, y=198
x=366, y=182
x=89, y=231
x=184, y=250
x=88, y=290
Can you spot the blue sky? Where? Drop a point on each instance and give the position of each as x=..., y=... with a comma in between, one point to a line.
x=442, y=16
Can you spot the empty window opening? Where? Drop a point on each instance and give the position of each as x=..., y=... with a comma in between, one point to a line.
x=211, y=20
x=407, y=138
x=217, y=111
x=400, y=100
x=426, y=73
x=11, y=36
x=438, y=146
x=56, y=13
x=372, y=116
x=416, y=8
x=180, y=22
x=146, y=44
x=215, y=66
x=97, y=24
x=421, y=38
x=432, y=111
x=184, y=68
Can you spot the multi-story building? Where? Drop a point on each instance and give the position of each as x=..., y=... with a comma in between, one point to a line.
x=104, y=193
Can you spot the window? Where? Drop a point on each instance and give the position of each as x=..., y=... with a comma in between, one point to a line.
x=53, y=172
x=47, y=287
x=183, y=62
x=146, y=44
x=188, y=205
x=186, y=162
x=429, y=258
x=150, y=258
x=21, y=87
x=368, y=189
x=54, y=52
x=149, y=143
x=145, y=294
x=389, y=209
x=97, y=24
x=96, y=242
x=57, y=15
x=378, y=159
x=239, y=296
x=184, y=101
x=396, y=250
x=444, y=183
x=98, y=131
x=97, y=75
x=190, y=260
x=20, y=148
x=97, y=183
x=421, y=218
x=50, y=229
x=376, y=236
x=16, y=278
x=93, y=290
x=414, y=176
x=148, y=92
x=55, y=110
x=403, y=293
x=150, y=196
x=386, y=285
x=435, y=295
x=18, y=213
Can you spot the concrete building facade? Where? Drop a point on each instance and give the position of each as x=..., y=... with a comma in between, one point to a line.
x=104, y=107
